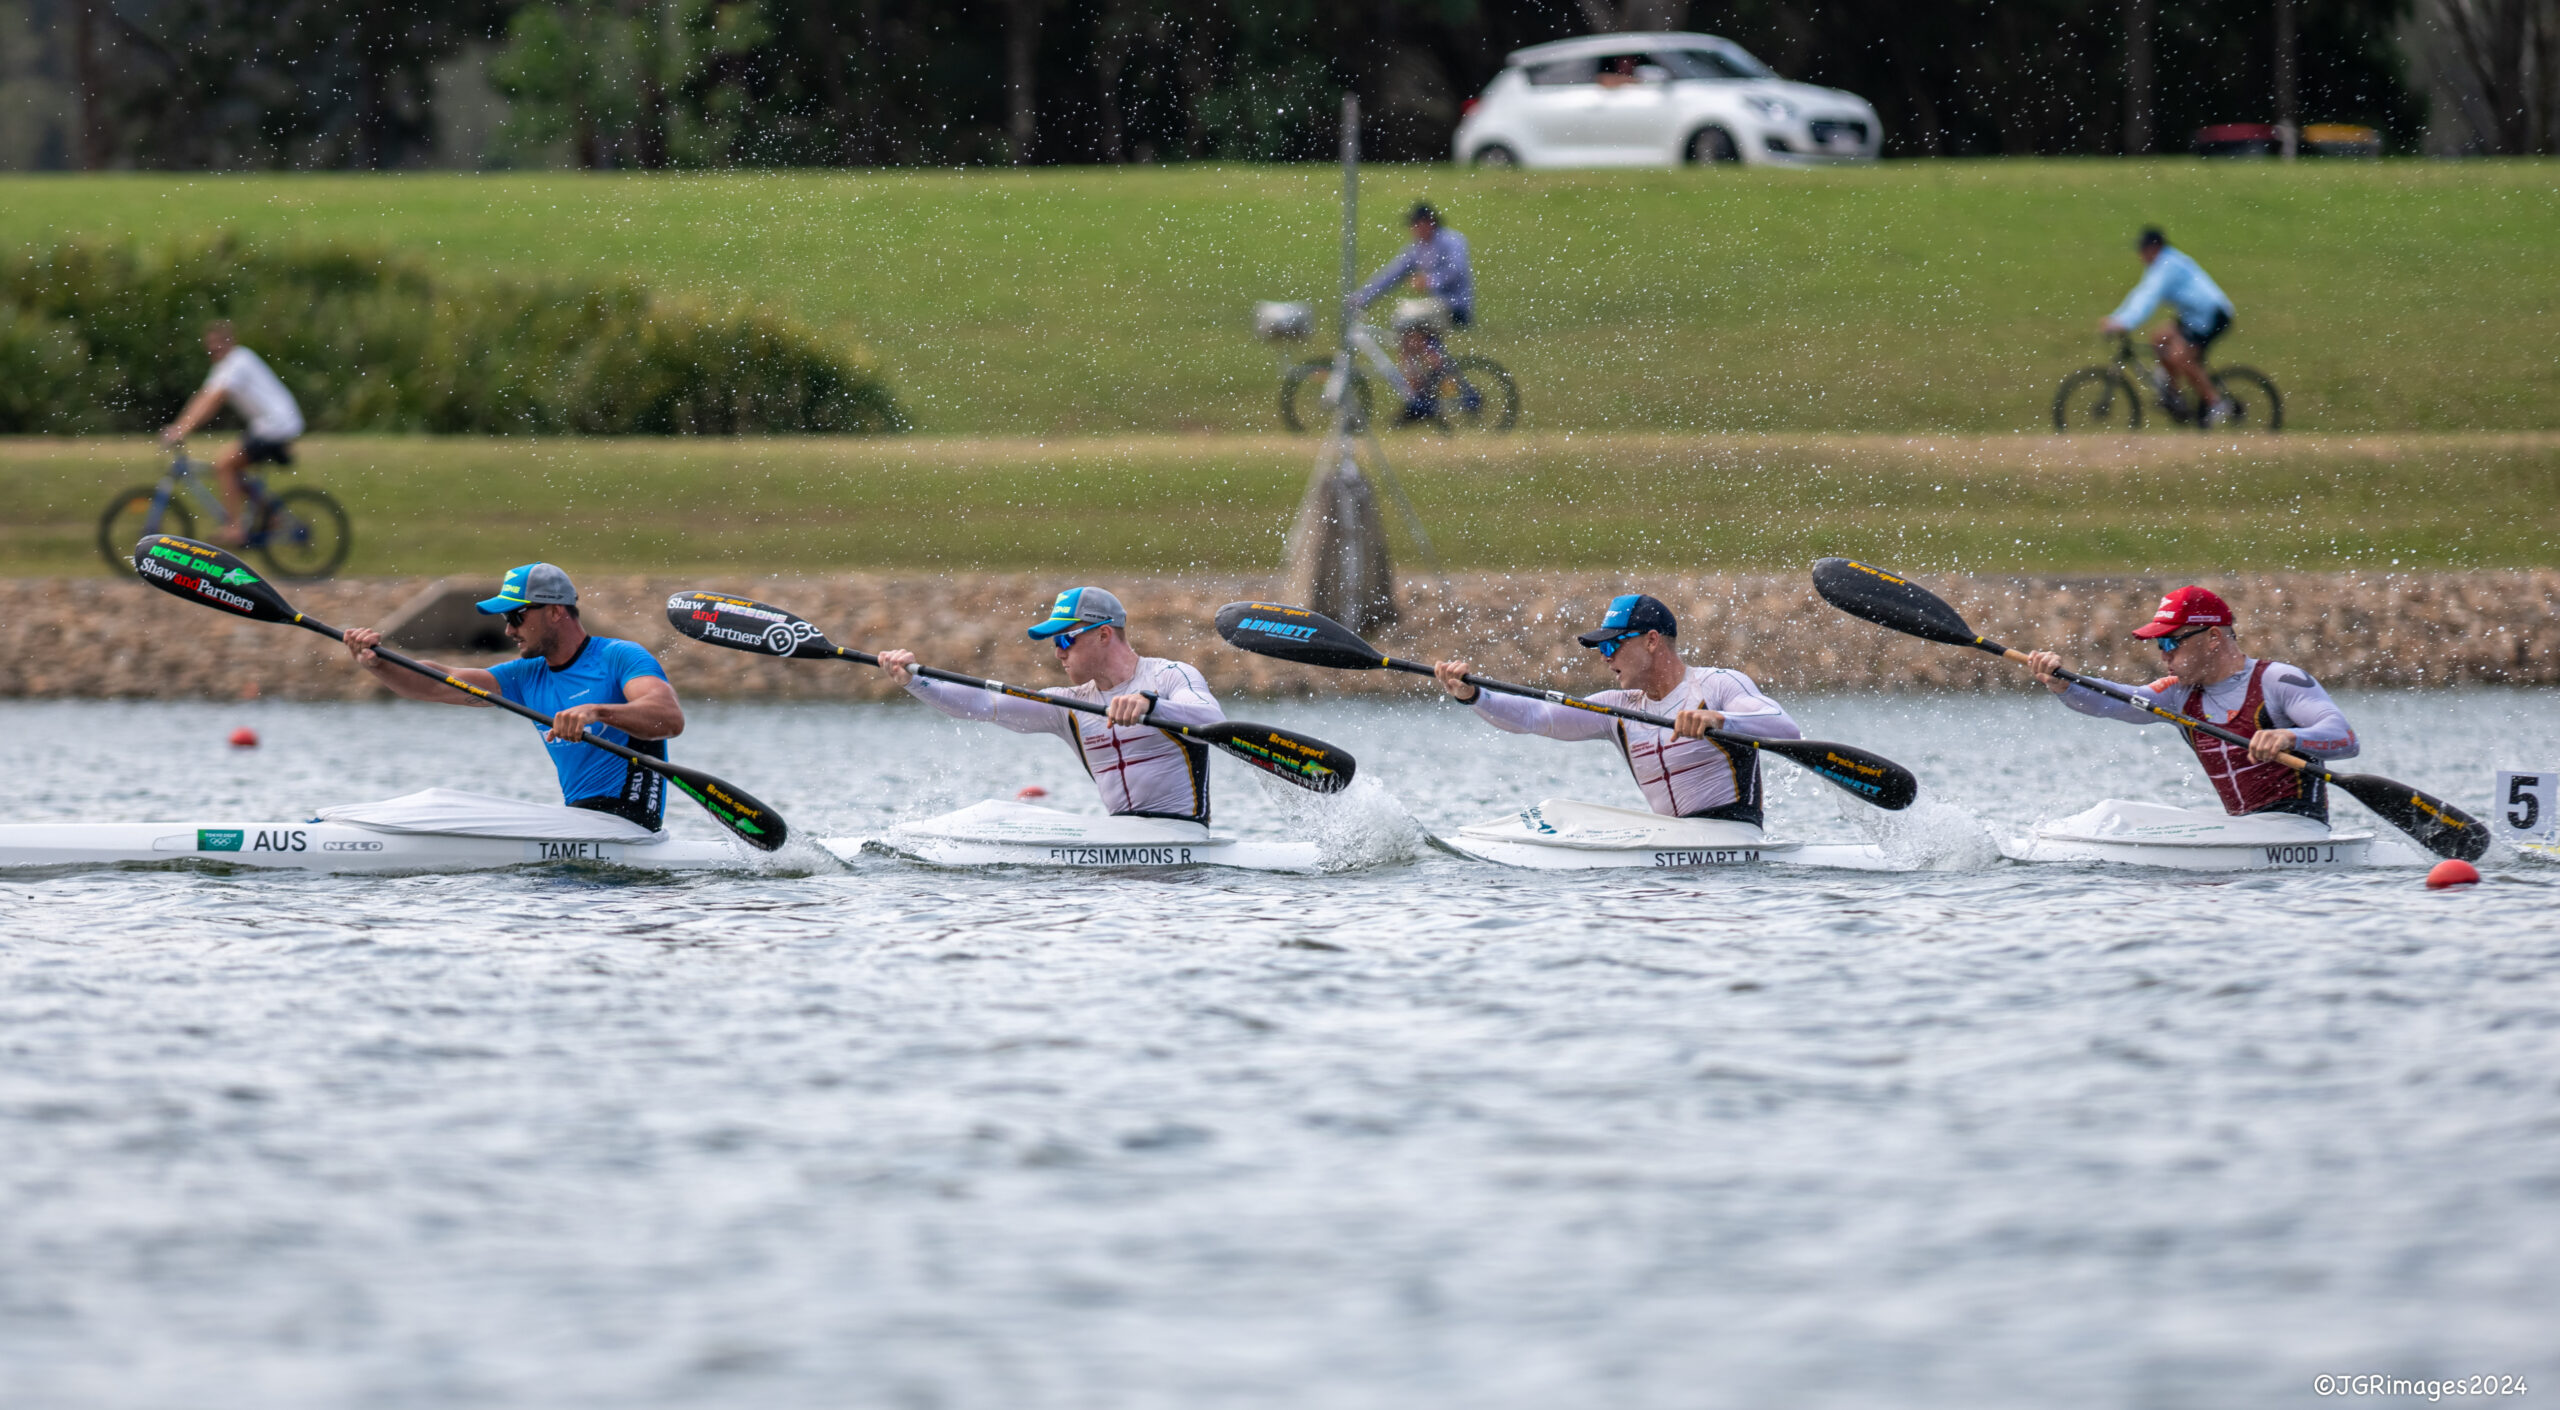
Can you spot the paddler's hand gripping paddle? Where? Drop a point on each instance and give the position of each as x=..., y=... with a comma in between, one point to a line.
x=1890, y=600
x=1313, y=639
x=742, y=624
x=202, y=573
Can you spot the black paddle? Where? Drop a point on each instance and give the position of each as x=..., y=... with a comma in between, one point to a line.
x=743, y=624
x=202, y=573
x=1889, y=600
x=1313, y=639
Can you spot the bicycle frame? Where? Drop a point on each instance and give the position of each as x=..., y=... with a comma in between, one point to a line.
x=1362, y=341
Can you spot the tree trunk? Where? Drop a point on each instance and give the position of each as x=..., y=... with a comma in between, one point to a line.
x=84, y=75
x=1021, y=73
x=650, y=57
x=2141, y=19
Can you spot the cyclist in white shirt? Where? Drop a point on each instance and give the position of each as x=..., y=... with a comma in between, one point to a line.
x=243, y=379
x=1682, y=773
x=1142, y=771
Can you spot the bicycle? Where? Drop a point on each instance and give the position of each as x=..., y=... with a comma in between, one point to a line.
x=302, y=533
x=2106, y=398
x=1472, y=393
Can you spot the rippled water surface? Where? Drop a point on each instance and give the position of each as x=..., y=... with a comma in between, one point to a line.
x=1423, y=1132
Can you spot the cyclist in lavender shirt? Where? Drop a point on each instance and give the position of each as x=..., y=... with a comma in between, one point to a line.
x=1437, y=263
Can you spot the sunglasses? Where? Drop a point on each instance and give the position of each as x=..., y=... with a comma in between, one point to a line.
x=1065, y=641
x=515, y=616
x=2169, y=644
x=1609, y=649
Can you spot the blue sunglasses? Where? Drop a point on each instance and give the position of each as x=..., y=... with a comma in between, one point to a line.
x=1065, y=641
x=1609, y=649
x=2169, y=644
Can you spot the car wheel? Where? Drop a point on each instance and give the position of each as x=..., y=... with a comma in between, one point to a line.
x=1709, y=146
x=1494, y=154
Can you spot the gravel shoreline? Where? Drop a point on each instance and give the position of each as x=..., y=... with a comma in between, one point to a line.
x=101, y=638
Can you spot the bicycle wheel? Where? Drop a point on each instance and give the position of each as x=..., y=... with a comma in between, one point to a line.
x=1476, y=394
x=2097, y=399
x=305, y=536
x=1302, y=391
x=128, y=518
x=2261, y=405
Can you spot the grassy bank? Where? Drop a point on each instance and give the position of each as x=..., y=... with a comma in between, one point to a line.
x=1937, y=296
x=1166, y=504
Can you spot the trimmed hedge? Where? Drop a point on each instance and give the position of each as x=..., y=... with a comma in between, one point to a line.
x=107, y=338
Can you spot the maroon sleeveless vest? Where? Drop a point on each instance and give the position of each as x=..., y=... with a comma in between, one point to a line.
x=2248, y=787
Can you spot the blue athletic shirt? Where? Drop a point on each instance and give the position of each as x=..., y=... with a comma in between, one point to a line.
x=595, y=677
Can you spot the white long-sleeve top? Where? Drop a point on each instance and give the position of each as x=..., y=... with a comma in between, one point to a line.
x=1679, y=777
x=2294, y=701
x=1138, y=769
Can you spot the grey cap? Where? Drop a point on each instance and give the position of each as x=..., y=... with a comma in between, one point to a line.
x=533, y=585
x=1078, y=608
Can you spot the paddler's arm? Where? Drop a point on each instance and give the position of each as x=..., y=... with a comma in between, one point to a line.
x=963, y=702
x=1515, y=714
x=1182, y=698
x=649, y=710
x=2319, y=730
x=1740, y=708
x=2083, y=699
x=409, y=685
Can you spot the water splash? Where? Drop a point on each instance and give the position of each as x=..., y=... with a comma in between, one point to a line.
x=1363, y=826
x=1927, y=836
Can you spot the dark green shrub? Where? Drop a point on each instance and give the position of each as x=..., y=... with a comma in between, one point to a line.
x=107, y=338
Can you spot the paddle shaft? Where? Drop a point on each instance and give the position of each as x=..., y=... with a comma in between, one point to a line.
x=488, y=696
x=2109, y=688
x=1020, y=692
x=1558, y=697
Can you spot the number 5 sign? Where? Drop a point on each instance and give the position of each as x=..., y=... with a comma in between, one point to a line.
x=2522, y=807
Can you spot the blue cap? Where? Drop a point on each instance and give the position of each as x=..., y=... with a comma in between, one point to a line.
x=533, y=585
x=1632, y=612
x=1080, y=607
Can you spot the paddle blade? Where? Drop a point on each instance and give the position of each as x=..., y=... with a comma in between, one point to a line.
x=1296, y=634
x=2430, y=821
x=1873, y=778
x=742, y=624
x=202, y=573
x=1889, y=600
x=1308, y=762
x=752, y=822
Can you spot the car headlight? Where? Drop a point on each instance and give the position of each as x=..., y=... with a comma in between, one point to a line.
x=1775, y=108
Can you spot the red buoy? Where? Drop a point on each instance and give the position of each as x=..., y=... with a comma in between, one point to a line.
x=2452, y=871
x=1030, y=791
x=247, y=738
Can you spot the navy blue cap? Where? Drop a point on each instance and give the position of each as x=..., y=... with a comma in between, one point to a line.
x=1632, y=612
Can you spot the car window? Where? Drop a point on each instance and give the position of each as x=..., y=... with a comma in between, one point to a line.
x=1563, y=71
x=1711, y=63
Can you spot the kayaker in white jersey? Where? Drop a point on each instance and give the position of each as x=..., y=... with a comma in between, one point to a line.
x=2280, y=707
x=1142, y=771
x=1683, y=774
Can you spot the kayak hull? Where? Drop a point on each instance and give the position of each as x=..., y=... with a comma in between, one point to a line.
x=1002, y=834
x=1559, y=834
x=2122, y=833
x=331, y=847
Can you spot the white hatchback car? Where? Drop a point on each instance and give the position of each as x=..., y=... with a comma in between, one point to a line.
x=1658, y=100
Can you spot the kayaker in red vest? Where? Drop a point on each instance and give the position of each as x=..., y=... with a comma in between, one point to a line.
x=2280, y=707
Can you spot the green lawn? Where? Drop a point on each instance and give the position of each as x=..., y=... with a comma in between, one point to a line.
x=1911, y=296
x=2011, y=503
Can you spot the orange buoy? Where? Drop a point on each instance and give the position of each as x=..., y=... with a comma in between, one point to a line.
x=2452, y=871
x=1030, y=791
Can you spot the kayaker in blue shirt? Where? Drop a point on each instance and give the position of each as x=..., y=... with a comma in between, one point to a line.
x=1437, y=262
x=2201, y=313
x=577, y=679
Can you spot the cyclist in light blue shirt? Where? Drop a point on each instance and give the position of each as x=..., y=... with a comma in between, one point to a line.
x=1437, y=262
x=580, y=680
x=2200, y=311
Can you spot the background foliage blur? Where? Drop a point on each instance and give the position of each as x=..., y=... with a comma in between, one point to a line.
x=105, y=337
x=237, y=84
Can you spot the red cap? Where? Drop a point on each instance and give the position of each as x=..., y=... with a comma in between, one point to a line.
x=2187, y=607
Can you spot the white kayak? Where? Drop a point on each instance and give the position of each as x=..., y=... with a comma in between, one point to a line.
x=439, y=829
x=2192, y=839
x=1559, y=834
x=999, y=833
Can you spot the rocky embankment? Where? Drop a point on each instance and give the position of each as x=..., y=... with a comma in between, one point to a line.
x=96, y=637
